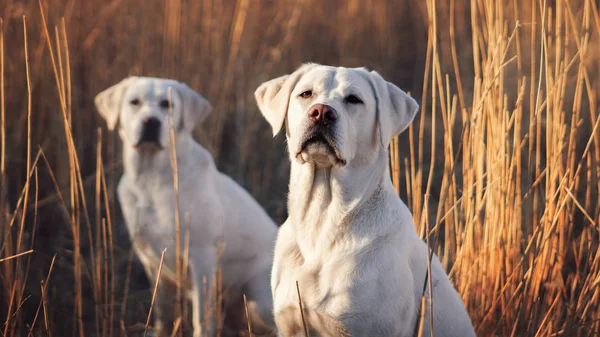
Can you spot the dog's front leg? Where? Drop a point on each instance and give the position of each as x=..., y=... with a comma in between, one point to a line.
x=260, y=304
x=203, y=294
x=194, y=295
x=135, y=219
x=164, y=308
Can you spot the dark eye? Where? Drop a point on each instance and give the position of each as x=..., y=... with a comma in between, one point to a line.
x=134, y=101
x=165, y=104
x=353, y=99
x=306, y=94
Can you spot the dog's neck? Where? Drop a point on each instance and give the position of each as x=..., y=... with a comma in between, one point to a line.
x=156, y=165
x=324, y=204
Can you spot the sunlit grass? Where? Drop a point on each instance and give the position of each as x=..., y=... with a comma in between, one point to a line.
x=501, y=170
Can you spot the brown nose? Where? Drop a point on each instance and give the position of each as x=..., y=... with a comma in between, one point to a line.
x=321, y=113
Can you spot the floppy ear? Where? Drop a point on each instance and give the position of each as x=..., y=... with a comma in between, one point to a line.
x=194, y=110
x=273, y=97
x=108, y=102
x=395, y=109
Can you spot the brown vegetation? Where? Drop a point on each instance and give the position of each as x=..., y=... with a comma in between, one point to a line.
x=506, y=149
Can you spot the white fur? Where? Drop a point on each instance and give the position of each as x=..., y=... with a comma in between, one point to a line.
x=218, y=209
x=349, y=241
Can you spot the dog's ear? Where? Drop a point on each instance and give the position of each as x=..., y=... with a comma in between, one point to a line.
x=109, y=101
x=395, y=109
x=273, y=97
x=195, y=108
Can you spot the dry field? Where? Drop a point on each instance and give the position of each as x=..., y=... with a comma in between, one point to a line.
x=501, y=168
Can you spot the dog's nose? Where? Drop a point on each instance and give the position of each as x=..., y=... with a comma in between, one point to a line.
x=322, y=113
x=151, y=122
x=150, y=129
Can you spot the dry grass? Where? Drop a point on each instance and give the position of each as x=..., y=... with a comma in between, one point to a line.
x=517, y=209
x=501, y=170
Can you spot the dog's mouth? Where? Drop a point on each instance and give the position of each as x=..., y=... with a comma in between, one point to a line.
x=320, y=148
x=148, y=146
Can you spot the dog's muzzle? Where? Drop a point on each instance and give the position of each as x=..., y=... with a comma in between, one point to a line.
x=319, y=140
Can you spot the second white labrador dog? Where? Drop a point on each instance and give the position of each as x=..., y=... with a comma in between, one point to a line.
x=349, y=241
x=216, y=208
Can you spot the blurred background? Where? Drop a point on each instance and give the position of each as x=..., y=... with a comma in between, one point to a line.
x=505, y=149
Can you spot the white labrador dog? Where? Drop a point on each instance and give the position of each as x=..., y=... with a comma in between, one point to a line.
x=349, y=241
x=215, y=207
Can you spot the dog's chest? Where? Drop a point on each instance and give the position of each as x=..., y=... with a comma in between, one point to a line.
x=155, y=207
x=324, y=289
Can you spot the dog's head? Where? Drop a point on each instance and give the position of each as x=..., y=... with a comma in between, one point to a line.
x=335, y=115
x=143, y=106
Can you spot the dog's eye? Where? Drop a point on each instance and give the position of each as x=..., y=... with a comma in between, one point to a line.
x=306, y=94
x=165, y=104
x=134, y=101
x=353, y=99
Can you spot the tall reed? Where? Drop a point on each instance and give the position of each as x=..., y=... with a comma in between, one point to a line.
x=500, y=169
x=517, y=209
